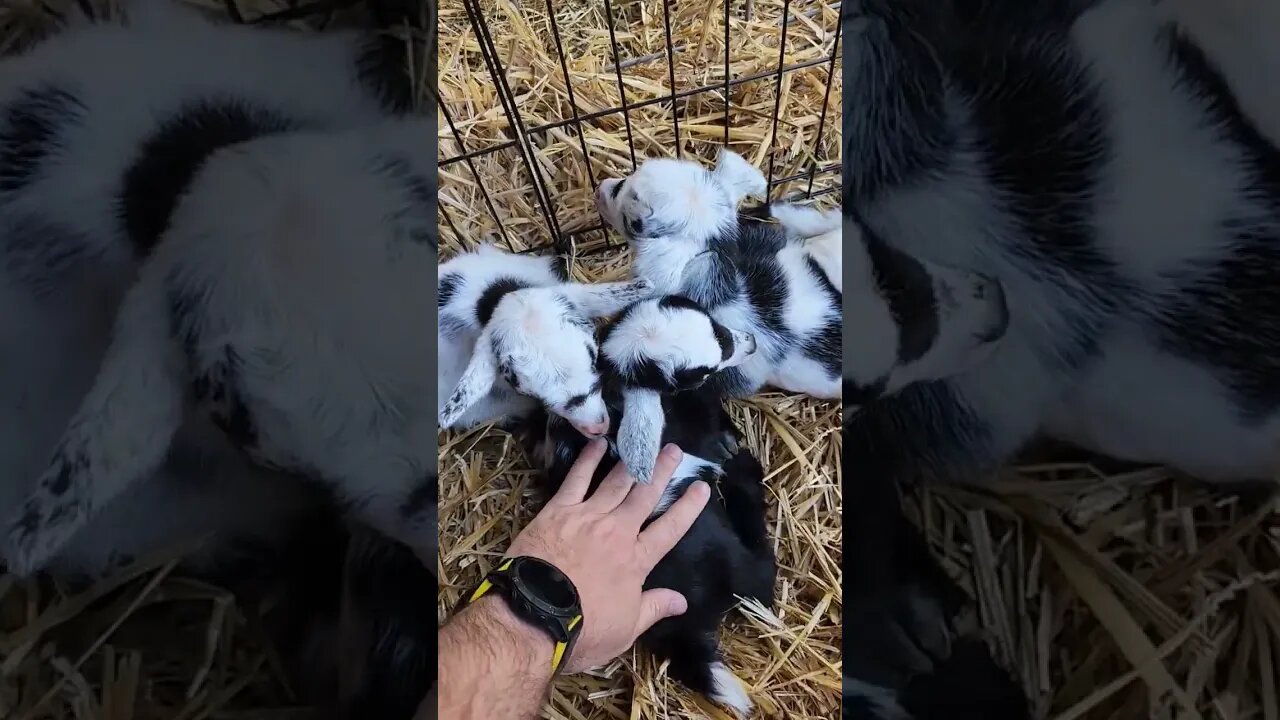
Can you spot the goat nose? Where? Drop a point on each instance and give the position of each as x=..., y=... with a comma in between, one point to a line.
x=595, y=429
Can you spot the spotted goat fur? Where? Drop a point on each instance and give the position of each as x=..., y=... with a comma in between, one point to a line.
x=213, y=279
x=514, y=334
x=1110, y=166
x=779, y=281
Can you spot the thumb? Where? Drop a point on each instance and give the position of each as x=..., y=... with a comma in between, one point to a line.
x=657, y=604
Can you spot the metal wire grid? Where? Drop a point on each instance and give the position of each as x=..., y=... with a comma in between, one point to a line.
x=562, y=240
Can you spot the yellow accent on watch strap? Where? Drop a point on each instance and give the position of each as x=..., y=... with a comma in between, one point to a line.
x=484, y=588
x=557, y=656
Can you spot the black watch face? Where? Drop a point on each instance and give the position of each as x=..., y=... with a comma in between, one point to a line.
x=545, y=586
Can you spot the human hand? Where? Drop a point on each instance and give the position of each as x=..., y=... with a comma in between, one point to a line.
x=597, y=543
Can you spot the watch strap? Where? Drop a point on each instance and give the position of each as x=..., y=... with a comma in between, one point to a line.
x=562, y=632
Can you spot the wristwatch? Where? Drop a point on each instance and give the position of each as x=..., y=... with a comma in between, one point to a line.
x=540, y=595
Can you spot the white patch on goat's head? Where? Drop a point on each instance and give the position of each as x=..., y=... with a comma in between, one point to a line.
x=672, y=343
x=545, y=347
x=908, y=320
x=667, y=198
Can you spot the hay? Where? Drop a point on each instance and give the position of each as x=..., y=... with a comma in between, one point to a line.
x=789, y=655
x=524, y=39
x=1123, y=595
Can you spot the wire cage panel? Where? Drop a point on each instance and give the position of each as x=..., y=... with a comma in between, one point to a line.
x=541, y=100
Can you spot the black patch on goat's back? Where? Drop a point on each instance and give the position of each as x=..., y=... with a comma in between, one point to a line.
x=824, y=346
x=448, y=287
x=169, y=159
x=907, y=287
x=40, y=253
x=1197, y=73
x=1042, y=126
x=1211, y=317
x=493, y=294
x=31, y=126
x=762, y=275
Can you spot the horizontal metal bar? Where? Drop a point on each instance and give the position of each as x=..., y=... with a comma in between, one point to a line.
x=541, y=129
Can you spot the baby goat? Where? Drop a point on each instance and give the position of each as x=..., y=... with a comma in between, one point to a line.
x=1031, y=143
x=659, y=347
x=314, y=367
x=526, y=337
x=104, y=129
x=772, y=280
x=726, y=552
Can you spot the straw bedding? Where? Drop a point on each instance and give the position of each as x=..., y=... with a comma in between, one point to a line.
x=788, y=655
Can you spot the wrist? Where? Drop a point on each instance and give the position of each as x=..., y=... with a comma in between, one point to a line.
x=530, y=647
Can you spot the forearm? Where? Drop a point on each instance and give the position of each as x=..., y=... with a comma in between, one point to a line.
x=492, y=665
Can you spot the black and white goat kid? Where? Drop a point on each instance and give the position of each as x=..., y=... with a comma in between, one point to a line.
x=1111, y=167
x=779, y=281
x=656, y=348
x=515, y=335
x=726, y=553
x=1033, y=146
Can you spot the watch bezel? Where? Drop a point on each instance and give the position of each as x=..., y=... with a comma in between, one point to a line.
x=536, y=597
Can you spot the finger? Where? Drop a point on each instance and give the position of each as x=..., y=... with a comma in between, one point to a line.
x=612, y=490
x=578, y=480
x=663, y=534
x=658, y=604
x=639, y=504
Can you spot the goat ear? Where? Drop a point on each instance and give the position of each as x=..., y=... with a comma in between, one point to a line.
x=640, y=433
x=476, y=381
x=738, y=177
x=604, y=299
x=118, y=436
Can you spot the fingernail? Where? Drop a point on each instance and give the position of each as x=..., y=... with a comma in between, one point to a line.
x=679, y=605
x=673, y=451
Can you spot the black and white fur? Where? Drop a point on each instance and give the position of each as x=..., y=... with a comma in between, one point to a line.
x=774, y=280
x=293, y=322
x=115, y=139
x=659, y=347
x=103, y=128
x=515, y=335
x=1112, y=166
x=726, y=552
x=1036, y=147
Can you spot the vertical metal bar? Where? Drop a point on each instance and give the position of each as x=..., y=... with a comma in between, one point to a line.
x=777, y=90
x=568, y=84
x=822, y=118
x=622, y=90
x=489, y=52
x=475, y=174
x=671, y=72
x=727, y=3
